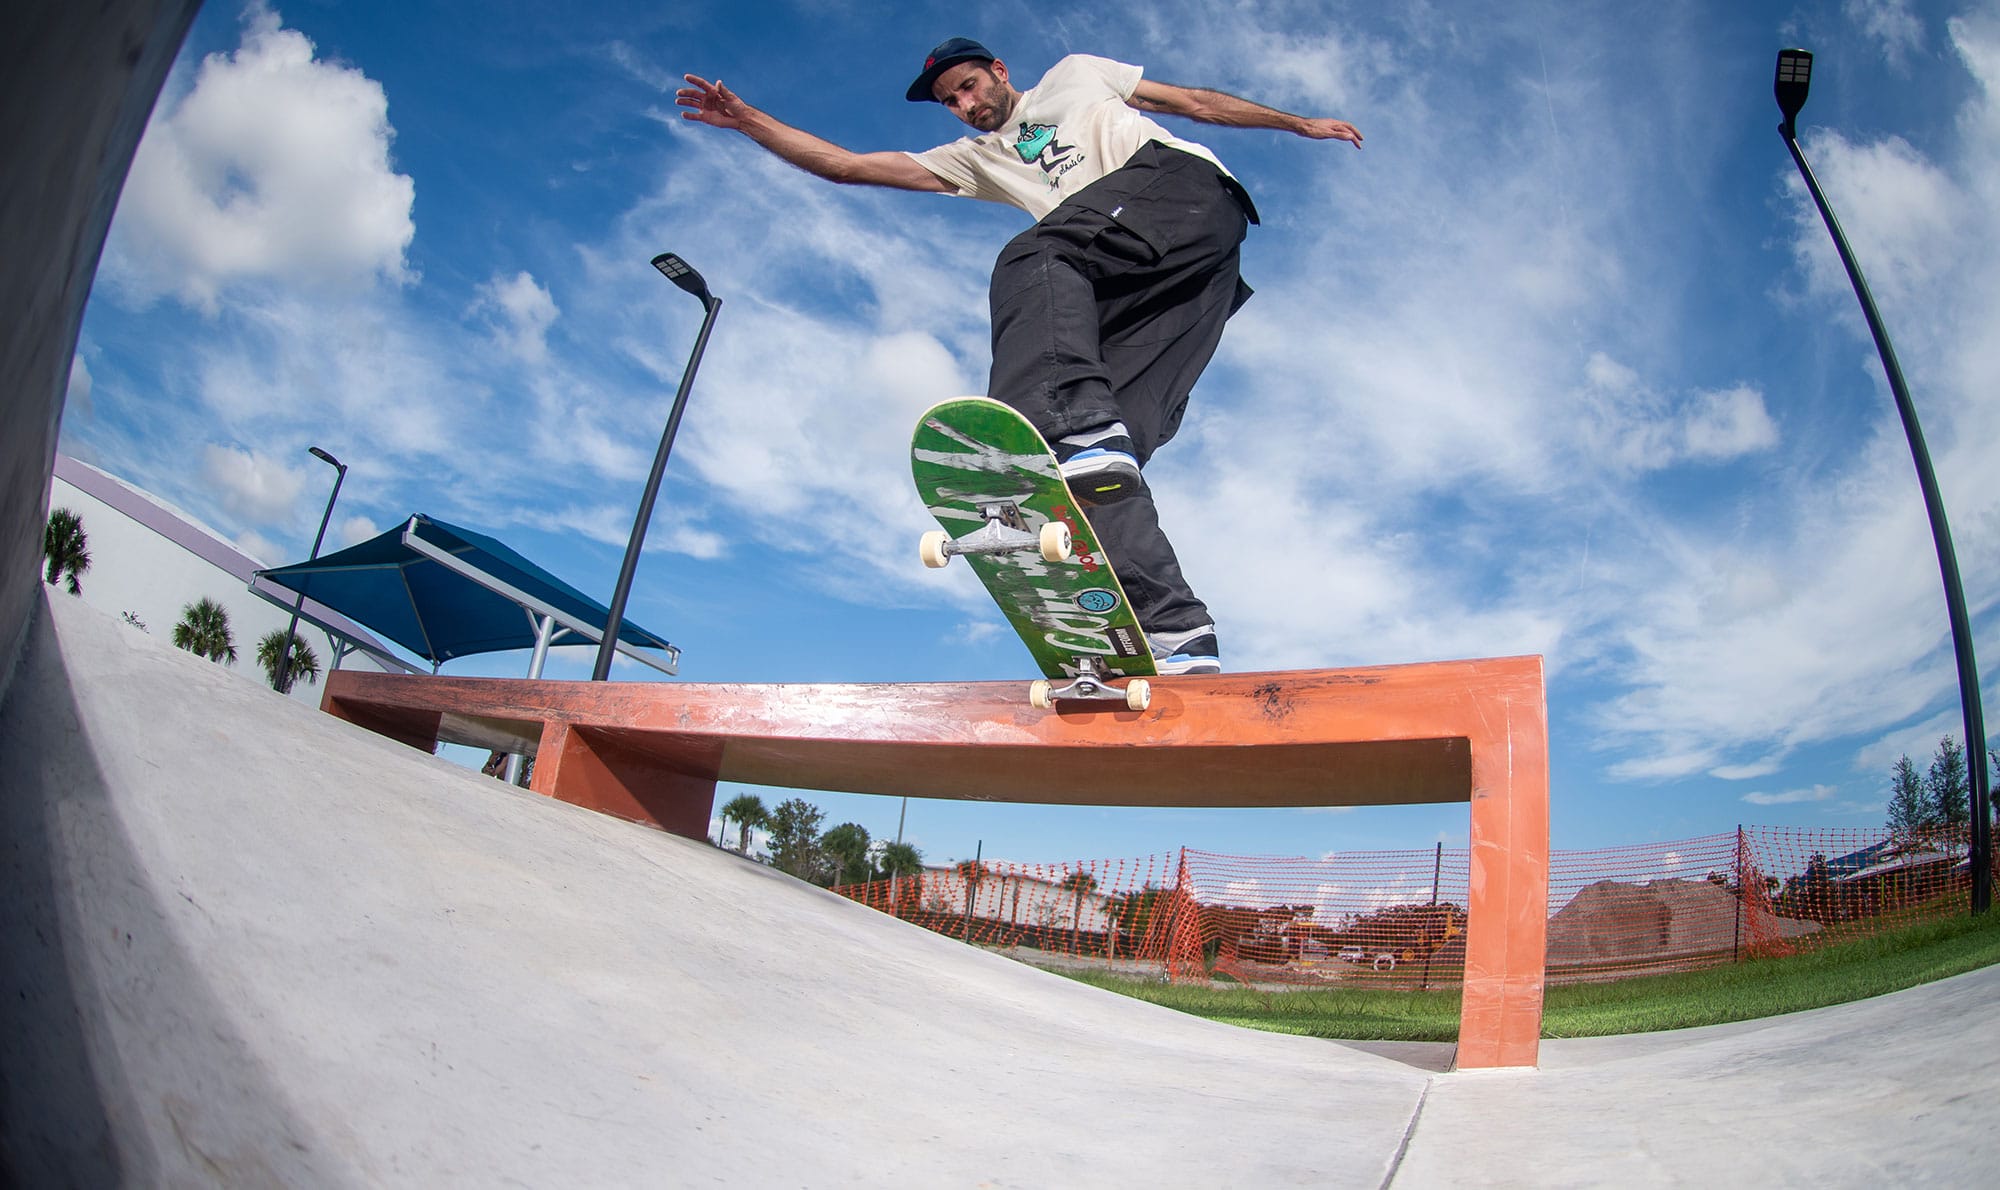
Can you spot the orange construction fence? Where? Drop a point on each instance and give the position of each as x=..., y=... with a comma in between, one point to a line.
x=1397, y=918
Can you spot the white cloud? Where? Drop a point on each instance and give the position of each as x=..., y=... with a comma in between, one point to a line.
x=1904, y=216
x=1817, y=793
x=1762, y=767
x=350, y=530
x=251, y=487
x=1641, y=430
x=274, y=166
x=1890, y=23
x=261, y=549
x=522, y=311
x=76, y=400
x=642, y=68
x=1726, y=423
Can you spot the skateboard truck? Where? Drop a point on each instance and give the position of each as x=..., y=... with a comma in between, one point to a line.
x=1005, y=531
x=1089, y=686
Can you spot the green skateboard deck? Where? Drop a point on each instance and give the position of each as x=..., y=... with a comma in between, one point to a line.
x=993, y=484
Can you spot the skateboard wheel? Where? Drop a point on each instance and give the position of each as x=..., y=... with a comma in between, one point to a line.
x=931, y=546
x=1038, y=695
x=1138, y=694
x=1055, y=542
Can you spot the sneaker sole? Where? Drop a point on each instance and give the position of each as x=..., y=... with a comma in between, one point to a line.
x=1101, y=485
x=1102, y=489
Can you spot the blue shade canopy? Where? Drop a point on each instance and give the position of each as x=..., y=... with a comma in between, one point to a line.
x=443, y=592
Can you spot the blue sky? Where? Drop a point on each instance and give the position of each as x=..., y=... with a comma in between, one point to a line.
x=1561, y=363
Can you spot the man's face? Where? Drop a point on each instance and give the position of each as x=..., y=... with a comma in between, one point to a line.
x=977, y=93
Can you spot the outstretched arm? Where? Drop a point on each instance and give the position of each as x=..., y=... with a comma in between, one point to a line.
x=719, y=107
x=1218, y=107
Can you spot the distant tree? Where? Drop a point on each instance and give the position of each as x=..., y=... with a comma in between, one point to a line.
x=134, y=621
x=304, y=664
x=747, y=811
x=794, y=828
x=1137, y=911
x=1078, y=884
x=846, y=847
x=1815, y=892
x=973, y=873
x=1909, y=809
x=1114, y=913
x=1946, y=786
x=204, y=631
x=66, y=548
x=899, y=859
x=899, y=862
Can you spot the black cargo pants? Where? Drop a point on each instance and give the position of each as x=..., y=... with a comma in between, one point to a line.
x=1107, y=310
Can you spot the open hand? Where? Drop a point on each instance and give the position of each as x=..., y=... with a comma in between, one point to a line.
x=1327, y=129
x=711, y=103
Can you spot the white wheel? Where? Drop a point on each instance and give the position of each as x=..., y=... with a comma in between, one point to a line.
x=1138, y=694
x=931, y=546
x=1055, y=542
x=1385, y=962
x=1038, y=695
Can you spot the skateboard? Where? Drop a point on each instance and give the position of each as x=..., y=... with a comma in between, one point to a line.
x=994, y=486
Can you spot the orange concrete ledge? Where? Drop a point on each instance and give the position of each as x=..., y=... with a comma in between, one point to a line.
x=1456, y=731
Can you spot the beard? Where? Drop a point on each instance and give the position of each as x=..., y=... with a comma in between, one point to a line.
x=996, y=103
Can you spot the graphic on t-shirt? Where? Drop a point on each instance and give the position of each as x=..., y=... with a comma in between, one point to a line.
x=1037, y=143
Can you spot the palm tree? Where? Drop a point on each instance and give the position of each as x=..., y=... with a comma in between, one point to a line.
x=304, y=664
x=847, y=846
x=897, y=860
x=970, y=872
x=747, y=811
x=204, y=631
x=66, y=547
x=1080, y=884
x=1114, y=912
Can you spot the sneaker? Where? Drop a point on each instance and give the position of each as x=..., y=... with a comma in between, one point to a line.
x=1099, y=465
x=1189, y=651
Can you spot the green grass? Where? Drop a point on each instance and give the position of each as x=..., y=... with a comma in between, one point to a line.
x=1836, y=974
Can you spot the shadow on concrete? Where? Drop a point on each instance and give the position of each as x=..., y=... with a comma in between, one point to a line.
x=109, y=1027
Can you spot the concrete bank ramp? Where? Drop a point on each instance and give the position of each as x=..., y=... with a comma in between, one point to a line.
x=246, y=944
x=262, y=946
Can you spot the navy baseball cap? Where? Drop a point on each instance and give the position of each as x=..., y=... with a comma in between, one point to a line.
x=947, y=55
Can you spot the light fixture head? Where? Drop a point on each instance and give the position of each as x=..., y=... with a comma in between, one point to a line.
x=1794, y=80
x=325, y=457
x=682, y=274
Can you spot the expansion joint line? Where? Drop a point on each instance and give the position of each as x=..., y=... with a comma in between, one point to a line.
x=1403, y=1147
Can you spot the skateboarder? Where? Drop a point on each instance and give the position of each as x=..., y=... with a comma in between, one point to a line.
x=1105, y=311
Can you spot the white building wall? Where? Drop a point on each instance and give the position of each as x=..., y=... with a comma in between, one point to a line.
x=1017, y=900
x=152, y=560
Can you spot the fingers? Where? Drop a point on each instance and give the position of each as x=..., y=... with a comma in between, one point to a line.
x=1339, y=130
x=704, y=98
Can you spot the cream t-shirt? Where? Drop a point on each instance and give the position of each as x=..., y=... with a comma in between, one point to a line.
x=1070, y=130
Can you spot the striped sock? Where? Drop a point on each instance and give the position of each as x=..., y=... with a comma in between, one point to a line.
x=1087, y=438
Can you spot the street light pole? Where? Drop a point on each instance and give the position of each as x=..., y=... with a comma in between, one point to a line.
x=284, y=672
x=674, y=269
x=1794, y=81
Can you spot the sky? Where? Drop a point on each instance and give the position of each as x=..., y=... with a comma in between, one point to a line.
x=1562, y=362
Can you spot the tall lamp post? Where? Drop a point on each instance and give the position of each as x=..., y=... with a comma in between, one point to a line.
x=1794, y=80
x=674, y=269
x=280, y=678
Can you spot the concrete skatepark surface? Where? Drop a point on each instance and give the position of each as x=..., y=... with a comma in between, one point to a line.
x=250, y=944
